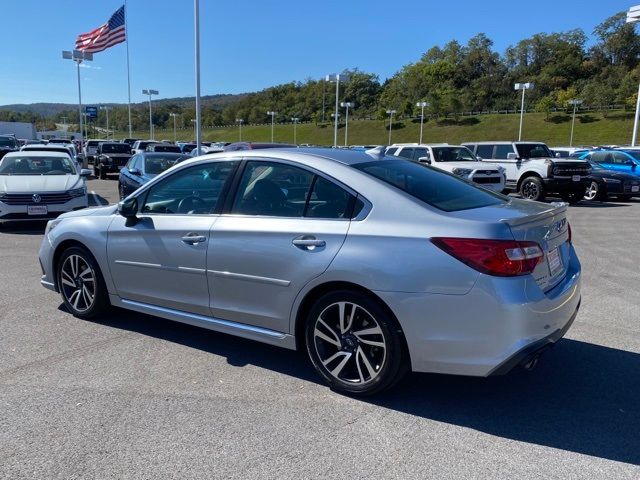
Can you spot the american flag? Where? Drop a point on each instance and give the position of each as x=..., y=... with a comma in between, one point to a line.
x=105, y=36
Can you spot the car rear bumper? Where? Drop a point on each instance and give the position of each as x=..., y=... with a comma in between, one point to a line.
x=20, y=212
x=480, y=332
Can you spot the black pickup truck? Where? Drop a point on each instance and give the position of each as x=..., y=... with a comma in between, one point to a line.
x=110, y=158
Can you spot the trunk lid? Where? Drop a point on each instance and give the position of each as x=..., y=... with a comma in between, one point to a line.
x=549, y=228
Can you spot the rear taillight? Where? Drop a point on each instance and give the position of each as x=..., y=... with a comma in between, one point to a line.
x=502, y=258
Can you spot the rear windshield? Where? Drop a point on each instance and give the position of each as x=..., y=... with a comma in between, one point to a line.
x=166, y=148
x=26, y=165
x=434, y=187
x=533, y=150
x=115, y=148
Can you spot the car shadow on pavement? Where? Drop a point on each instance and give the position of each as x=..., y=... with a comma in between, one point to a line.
x=599, y=205
x=581, y=397
x=31, y=227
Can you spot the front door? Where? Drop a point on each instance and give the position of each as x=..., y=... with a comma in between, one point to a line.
x=284, y=228
x=161, y=258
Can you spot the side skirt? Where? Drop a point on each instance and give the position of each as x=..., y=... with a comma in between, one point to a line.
x=250, y=332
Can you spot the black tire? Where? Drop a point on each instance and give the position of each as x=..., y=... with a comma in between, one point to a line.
x=594, y=192
x=103, y=174
x=532, y=188
x=95, y=170
x=100, y=302
x=389, y=361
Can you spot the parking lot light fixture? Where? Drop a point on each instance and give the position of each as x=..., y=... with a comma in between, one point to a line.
x=239, y=121
x=346, y=105
x=78, y=56
x=575, y=103
x=390, y=113
x=175, y=137
x=106, y=109
x=633, y=16
x=295, y=121
x=422, y=105
x=524, y=87
x=337, y=78
x=273, y=117
x=150, y=92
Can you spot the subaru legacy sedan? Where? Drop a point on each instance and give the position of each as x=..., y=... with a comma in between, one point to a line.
x=372, y=265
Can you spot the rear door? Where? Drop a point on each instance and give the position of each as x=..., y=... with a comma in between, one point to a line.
x=282, y=228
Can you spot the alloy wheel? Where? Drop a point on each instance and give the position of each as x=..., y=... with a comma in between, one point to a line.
x=592, y=191
x=530, y=190
x=78, y=283
x=349, y=343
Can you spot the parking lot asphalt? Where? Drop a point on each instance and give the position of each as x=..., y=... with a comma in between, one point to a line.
x=134, y=396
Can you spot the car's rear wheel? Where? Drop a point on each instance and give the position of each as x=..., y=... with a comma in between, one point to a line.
x=103, y=174
x=81, y=285
x=353, y=343
x=532, y=188
x=593, y=191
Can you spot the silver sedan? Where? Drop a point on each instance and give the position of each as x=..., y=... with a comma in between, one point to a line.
x=373, y=265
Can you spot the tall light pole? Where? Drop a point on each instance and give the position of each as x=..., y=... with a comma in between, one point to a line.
x=78, y=56
x=633, y=16
x=524, y=87
x=150, y=92
x=196, y=15
x=575, y=104
x=295, y=121
x=239, y=121
x=336, y=77
x=106, y=109
x=346, y=105
x=421, y=105
x=175, y=136
x=273, y=117
x=390, y=112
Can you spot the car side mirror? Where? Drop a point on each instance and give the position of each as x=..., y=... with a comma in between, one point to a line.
x=85, y=172
x=512, y=156
x=479, y=158
x=424, y=160
x=128, y=208
x=557, y=155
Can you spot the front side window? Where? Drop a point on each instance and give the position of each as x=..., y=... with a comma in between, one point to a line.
x=156, y=164
x=26, y=165
x=533, y=150
x=391, y=150
x=634, y=153
x=432, y=186
x=194, y=190
x=419, y=153
x=621, y=159
x=272, y=189
x=502, y=151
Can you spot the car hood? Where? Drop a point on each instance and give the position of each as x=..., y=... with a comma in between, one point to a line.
x=38, y=183
x=91, y=211
x=466, y=164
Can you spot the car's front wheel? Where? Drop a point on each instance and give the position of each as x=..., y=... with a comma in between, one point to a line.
x=532, y=188
x=81, y=285
x=593, y=191
x=353, y=343
x=102, y=174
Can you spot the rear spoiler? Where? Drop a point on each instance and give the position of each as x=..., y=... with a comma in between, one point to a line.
x=555, y=209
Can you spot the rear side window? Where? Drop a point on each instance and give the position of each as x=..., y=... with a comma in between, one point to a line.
x=406, y=153
x=431, y=186
x=502, y=151
x=485, y=151
x=391, y=150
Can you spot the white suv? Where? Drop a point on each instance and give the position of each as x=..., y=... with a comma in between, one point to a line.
x=455, y=159
x=534, y=171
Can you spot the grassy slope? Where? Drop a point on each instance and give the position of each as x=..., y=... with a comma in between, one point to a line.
x=590, y=128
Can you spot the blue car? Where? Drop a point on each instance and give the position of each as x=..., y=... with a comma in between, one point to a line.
x=619, y=160
x=142, y=167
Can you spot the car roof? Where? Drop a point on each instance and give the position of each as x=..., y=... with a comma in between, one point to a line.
x=501, y=142
x=164, y=154
x=43, y=146
x=37, y=153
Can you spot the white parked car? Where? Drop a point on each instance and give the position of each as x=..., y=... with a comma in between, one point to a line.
x=57, y=147
x=455, y=159
x=40, y=185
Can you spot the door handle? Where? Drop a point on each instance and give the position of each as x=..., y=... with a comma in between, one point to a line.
x=308, y=242
x=193, y=238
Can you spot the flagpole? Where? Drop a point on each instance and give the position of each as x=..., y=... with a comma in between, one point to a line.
x=126, y=28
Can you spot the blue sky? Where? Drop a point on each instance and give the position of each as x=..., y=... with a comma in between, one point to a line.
x=250, y=45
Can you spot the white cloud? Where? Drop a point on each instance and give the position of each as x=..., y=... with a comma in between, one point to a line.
x=92, y=67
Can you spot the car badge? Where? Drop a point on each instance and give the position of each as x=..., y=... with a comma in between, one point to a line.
x=36, y=198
